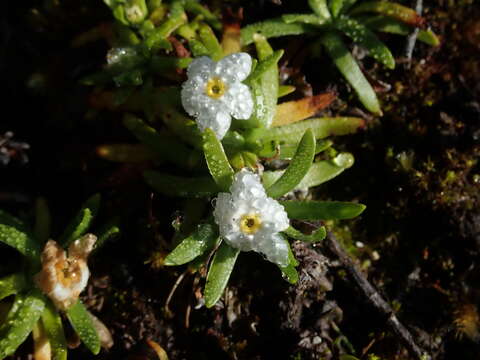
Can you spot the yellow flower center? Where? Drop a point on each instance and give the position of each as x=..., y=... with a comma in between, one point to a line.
x=215, y=88
x=250, y=224
x=68, y=272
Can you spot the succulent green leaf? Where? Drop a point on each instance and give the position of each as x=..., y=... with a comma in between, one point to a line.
x=195, y=7
x=197, y=48
x=12, y=284
x=165, y=146
x=349, y=68
x=83, y=325
x=304, y=18
x=217, y=161
x=162, y=64
x=82, y=221
x=24, y=314
x=289, y=272
x=366, y=38
x=392, y=26
x=298, y=167
x=318, y=173
x=340, y=6
x=317, y=235
x=210, y=41
x=15, y=234
x=320, y=8
x=391, y=9
x=268, y=64
x=202, y=240
x=172, y=186
x=264, y=85
x=284, y=90
x=322, y=128
x=175, y=19
x=273, y=28
x=322, y=210
x=52, y=322
x=219, y=272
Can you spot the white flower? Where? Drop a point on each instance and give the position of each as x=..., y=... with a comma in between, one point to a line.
x=214, y=93
x=249, y=220
x=63, y=277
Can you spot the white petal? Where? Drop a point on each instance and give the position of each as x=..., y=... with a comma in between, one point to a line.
x=219, y=121
x=202, y=66
x=193, y=96
x=275, y=249
x=235, y=67
x=240, y=101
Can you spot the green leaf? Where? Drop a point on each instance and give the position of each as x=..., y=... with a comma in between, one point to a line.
x=366, y=38
x=319, y=172
x=269, y=63
x=202, y=240
x=82, y=221
x=176, y=186
x=322, y=210
x=394, y=10
x=52, y=322
x=392, y=26
x=12, y=284
x=349, y=68
x=15, y=234
x=285, y=90
x=219, y=272
x=322, y=128
x=264, y=85
x=320, y=8
x=197, y=48
x=195, y=7
x=303, y=18
x=42, y=220
x=273, y=28
x=317, y=235
x=340, y=6
x=210, y=41
x=23, y=316
x=289, y=272
x=162, y=64
x=217, y=161
x=107, y=232
x=175, y=19
x=298, y=167
x=165, y=146
x=83, y=326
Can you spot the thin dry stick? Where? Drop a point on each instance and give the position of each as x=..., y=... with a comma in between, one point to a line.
x=412, y=38
x=374, y=298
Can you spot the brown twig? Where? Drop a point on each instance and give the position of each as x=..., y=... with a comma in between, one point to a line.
x=374, y=298
x=412, y=38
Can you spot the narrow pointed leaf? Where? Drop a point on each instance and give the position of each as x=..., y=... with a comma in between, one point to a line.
x=175, y=19
x=219, y=272
x=202, y=240
x=210, y=41
x=392, y=26
x=317, y=235
x=284, y=90
x=16, y=235
x=265, y=65
x=340, y=6
x=362, y=35
x=289, y=272
x=273, y=28
x=349, y=68
x=83, y=326
x=173, y=186
x=298, y=167
x=197, y=8
x=12, y=284
x=107, y=232
x=394, y=10
x=217, y=161
x=322, y=210
x=82, y=221
x=304, y=18
x=320, y=8
x=52, y=322
x=23, y=316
